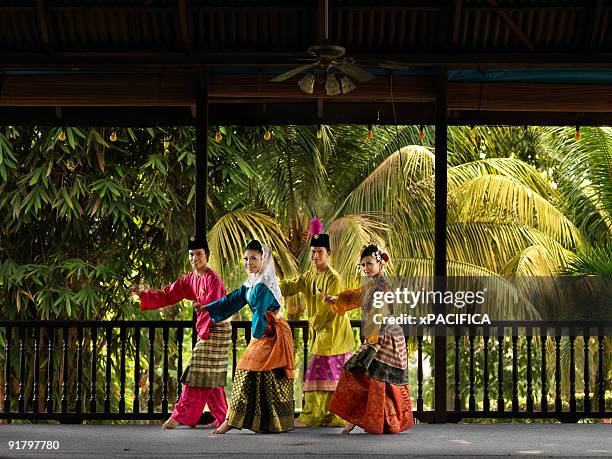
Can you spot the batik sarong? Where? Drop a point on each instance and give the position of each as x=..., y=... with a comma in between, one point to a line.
x=373, y=391
x=262, y=392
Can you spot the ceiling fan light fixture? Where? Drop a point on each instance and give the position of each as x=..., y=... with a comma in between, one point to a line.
x=332, y=86
x=306, y=83
x=347, y=85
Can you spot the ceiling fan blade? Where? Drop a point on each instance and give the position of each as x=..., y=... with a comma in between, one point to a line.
x=386, y=64
x=295, y=71
x=355, y=72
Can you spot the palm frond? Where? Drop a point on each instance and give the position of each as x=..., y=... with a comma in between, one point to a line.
x=582, y=171
x=502, y=300
x=230, y=234
x=487, y=245
x=496, y=198
x=533, y=273
x=508, y=167
x=392, y=180
x=348, y=234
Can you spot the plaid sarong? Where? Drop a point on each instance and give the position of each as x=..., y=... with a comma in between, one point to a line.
x=208, y=365
x=385, y=360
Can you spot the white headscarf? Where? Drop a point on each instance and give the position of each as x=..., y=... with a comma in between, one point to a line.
x=266, y=275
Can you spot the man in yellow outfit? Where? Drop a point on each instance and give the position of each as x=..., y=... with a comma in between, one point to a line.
x=330, y=336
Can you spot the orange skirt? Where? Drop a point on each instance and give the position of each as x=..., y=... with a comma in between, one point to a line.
x=273, y=350
x=376, y=406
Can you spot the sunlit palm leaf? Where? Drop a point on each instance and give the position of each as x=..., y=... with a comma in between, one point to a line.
x=508, y=167
x=392, y=180
x=230, y=234
x=533, y=273
x=582, y=171
x=494, y=198
x=502, y=300
x=488, y=245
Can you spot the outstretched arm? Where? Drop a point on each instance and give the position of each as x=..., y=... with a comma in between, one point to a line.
x=228, y=305
x=345, y=301
x=172, y=294
x=290, y=287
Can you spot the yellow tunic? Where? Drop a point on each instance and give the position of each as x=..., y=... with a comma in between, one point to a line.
x=329, y=333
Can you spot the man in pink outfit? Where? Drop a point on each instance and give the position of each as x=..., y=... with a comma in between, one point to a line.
x=205, y=376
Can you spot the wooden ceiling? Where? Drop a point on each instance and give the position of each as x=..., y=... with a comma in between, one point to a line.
x=136, y=61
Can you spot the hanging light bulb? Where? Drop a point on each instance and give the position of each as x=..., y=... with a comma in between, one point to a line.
x=113, y=136
x=319, y=132
x=218, y=136
x=421, y=133
x=577, y=134
x=62, y=135
x=370, y=134
x=347, y=85
x=332, y=86
x=306, y=83
x=267, y=135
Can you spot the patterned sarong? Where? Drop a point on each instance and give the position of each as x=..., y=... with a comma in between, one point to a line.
x=208, y=365
x=323, y=372
x=385, y=360
x=262, y=392
x=373, y=391
x=262, y=401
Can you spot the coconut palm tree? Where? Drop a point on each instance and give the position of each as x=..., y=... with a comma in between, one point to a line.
x=505, y=216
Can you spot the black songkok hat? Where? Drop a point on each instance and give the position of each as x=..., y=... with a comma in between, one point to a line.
x=318, y=239
x=196, y=242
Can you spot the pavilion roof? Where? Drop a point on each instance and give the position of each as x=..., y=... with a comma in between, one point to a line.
x=509, y=61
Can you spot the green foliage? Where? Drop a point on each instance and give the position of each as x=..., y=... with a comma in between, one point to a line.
x=84, y=218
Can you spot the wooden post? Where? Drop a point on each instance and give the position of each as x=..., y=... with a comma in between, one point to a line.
x=201, y=192
x=440, y=414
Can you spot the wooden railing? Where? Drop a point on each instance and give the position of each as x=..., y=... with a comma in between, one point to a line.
x=52, y=369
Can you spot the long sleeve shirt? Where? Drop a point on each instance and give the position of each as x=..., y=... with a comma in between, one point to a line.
x=259, y=298
x=201, y=289
x=330, y=334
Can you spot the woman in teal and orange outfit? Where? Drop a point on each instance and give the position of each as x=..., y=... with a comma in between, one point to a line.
x=262, y=394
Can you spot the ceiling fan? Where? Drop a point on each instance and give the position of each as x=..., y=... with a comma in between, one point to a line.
x=327, y=60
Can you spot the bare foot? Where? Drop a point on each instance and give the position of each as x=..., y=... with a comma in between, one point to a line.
x=171, y=423
x=297, y=424
x=222, y=428
x=210, y=425
x=348, y=427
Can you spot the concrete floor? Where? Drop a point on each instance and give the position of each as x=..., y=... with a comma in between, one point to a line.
x=424, y=440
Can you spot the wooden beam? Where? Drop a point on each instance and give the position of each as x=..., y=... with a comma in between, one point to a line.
x=43, y=27
x=201, y=179
x=440, y=203
x=322, y=27
x=530, y=97
x=456, y=26
x=514, y=27
x=596, y=23
x=177, y=90
x=183, y=26
x=300, y=113
x=162, y=60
